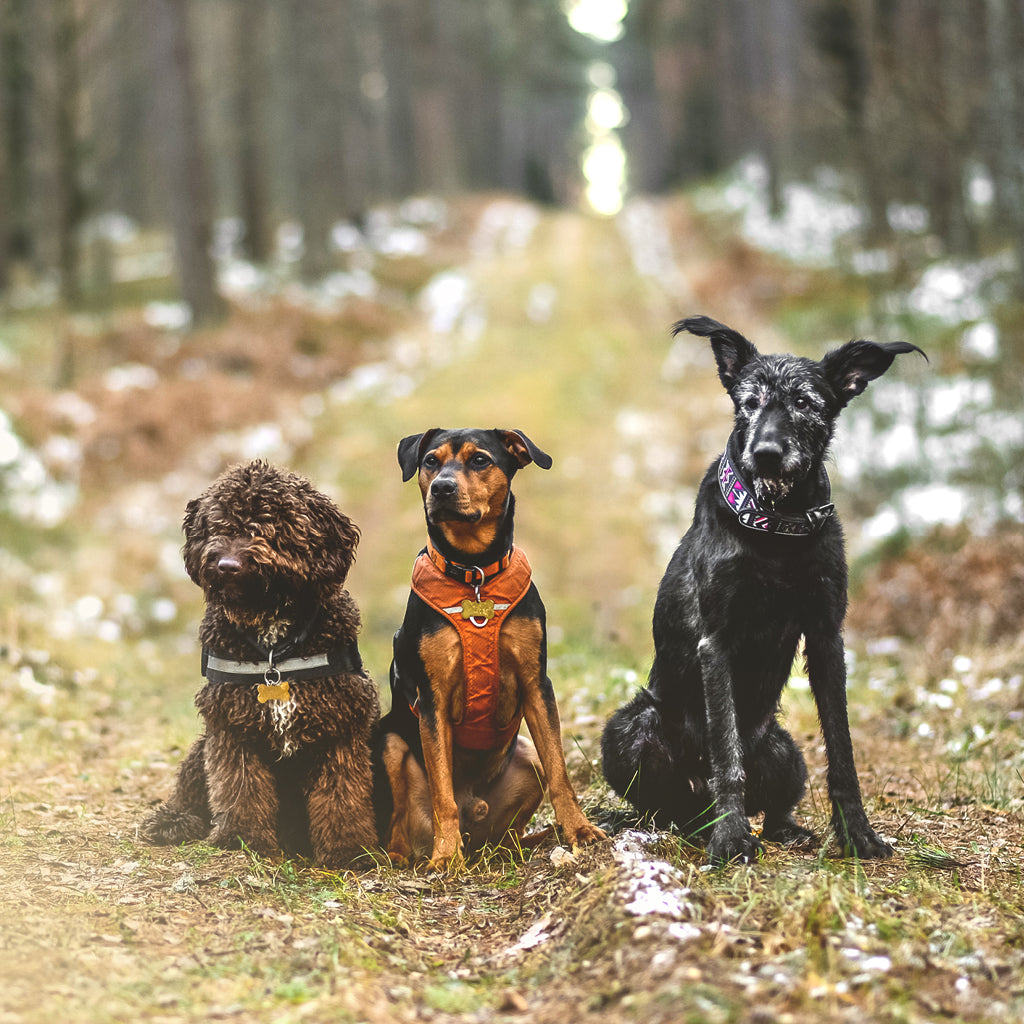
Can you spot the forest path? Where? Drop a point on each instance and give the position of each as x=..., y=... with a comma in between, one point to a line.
x=558, y=325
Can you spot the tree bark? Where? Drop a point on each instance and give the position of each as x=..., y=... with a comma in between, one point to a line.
x=188, y=190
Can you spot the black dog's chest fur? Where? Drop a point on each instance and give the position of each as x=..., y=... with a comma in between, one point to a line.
x=769, y=592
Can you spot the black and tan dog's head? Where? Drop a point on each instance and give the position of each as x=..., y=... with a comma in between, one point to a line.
x=465, y=478
x=261, y=539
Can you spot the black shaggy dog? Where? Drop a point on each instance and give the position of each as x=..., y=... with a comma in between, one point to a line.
x=762, y=566
x=289, y=712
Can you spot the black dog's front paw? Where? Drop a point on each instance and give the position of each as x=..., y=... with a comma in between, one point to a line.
x=864, y=844
x=789, y=833
x=734, y=842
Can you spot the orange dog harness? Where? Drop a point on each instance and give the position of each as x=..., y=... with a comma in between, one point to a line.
x=495, y=590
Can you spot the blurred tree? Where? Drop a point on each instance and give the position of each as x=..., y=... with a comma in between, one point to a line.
x=15, y=132
x=186, y=176
x=249, y=38
x=69, y=196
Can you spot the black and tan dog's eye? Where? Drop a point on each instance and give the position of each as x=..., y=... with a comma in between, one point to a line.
x=480, y=461
x=431, y=461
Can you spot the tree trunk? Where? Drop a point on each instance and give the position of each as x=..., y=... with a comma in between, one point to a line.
x=186, y=177
x=250, y=125
x=70, y=198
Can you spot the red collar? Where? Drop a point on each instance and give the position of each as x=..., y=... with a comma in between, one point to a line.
x=471, y=574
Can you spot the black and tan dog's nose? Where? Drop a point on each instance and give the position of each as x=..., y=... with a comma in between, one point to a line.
x=443, y=487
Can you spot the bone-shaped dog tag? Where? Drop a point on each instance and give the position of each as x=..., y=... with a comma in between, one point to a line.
x=272, y=691
x=478, y=609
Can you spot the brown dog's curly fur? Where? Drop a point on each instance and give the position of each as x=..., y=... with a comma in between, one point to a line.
x=271, y=555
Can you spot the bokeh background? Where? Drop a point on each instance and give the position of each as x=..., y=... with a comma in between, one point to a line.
x=300, y=230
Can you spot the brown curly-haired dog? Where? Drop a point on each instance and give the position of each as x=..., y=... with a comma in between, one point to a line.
x=289, y=712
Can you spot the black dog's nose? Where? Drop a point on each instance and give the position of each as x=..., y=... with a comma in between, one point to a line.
x=443, y=487
x=228, y=565
x=768, y=457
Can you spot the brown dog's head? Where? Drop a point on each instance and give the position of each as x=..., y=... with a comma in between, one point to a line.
x=261, y=539
x=465, y=477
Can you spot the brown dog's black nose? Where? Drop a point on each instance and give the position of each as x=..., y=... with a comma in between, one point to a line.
x=228, y=565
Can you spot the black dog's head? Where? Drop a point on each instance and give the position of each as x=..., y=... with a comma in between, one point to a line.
x=465, y=478
x=261, y=539
x=786, y=406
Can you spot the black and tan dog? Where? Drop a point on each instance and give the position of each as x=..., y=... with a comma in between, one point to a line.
x=470, y=662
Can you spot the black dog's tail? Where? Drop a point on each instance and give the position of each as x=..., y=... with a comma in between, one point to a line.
x=637, y=761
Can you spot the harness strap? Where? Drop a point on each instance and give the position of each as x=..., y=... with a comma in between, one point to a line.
x=478, y=619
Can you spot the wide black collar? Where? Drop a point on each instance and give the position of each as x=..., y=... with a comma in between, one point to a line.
x=740, y=498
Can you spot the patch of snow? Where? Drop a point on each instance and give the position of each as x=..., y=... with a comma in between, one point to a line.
x=540, y=303
x=812, y=222
x=131, y=377
x=646, y=886
x=168, y=316
x=981, y=341
x=505, y=225
x=646, y=232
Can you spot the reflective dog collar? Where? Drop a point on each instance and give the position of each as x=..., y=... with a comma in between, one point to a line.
x=341, y=660
x=741, y=500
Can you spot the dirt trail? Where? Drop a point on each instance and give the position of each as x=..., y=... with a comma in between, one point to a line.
x=550, y=327
x=557, y=324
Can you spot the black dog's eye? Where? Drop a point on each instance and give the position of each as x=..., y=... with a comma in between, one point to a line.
x=800, y=402
x=752, y=403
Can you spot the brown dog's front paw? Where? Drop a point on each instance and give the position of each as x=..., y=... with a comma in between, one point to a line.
x=233, y=837
x=447, y=854
x=584, y=834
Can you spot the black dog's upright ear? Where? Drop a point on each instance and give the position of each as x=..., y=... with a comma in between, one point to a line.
x=523, y=450
x=850, y=368
x=732, y=350
x=411, y=449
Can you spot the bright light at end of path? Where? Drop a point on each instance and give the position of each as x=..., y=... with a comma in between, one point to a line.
x=599, y=19
x=604, y=167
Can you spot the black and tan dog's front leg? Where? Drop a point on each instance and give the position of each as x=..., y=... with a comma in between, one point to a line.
x=826, y=667
x=438, y=759
x=541, y=713
x=731, y=838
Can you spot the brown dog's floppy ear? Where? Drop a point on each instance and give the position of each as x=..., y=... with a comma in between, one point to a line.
x=850, y=367
x=732, y=351
x=340, y=538
x=411, y=449
x=195, y=541
x=523, y=450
